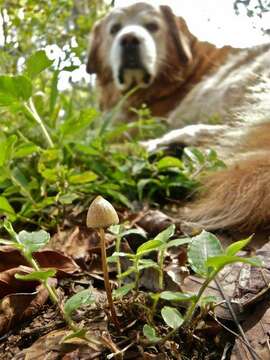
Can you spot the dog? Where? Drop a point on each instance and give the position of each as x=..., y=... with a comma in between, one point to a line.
x=189, y=81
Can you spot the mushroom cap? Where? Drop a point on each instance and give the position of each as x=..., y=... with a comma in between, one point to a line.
x=101, y=214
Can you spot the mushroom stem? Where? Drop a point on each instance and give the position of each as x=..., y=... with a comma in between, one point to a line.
x=106, y=277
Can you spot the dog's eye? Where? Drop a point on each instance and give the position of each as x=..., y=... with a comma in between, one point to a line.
x=115, y=28
x=152, y=26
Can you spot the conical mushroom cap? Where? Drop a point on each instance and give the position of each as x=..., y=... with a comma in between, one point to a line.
x=101, y=214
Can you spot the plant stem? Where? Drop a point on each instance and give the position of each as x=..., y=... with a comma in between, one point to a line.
x=106, y=277
x=31, y=109
x=118, y=264
x=191, y=310
x=160, y=263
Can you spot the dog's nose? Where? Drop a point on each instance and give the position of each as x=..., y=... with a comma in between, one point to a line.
x=130, y=41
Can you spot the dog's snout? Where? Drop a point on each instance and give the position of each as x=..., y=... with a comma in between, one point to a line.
x=130, y=40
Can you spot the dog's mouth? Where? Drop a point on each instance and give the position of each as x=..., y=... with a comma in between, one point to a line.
x=132, y=72
x=130, y=77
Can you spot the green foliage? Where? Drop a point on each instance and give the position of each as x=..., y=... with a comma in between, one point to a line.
x=33, y=241
x=27, y=243
x=150, y=333
x=172, y=317
x=81, y=298
x=205, y=256
x=41, y=275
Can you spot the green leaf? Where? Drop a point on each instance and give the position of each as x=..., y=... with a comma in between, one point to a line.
x=84, y=297
x=41, y=275
x=123, y=290
x=194, y=154
x=177, y=296
x=206, y=300
x=149, y=246
x=166, y=234
x=14, y=89
x=85, y=177
x=147, y=263
x=172, y=317
x=234, y=248
x=7, y=242
x=142, y=183
x=169, y=162
x=76, y=334
x=26, y=150
x=36, y=63
x=33, y=241
x=150, y=333
x=6, y=208
x=178, y=242
x=218, y=262
x=201, y=248
x=7, y=147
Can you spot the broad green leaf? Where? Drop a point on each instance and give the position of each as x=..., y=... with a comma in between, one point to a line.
x=172, y=317
x=177, y=296
x=178, y=242
x=41, y=275
x=6, y=208
x=84, y=297
x=85, y=177
x=201, y=248
x=149, y=246
x=68, y=198
x=218, y=262
x=14, y=89
x=123, y=290
x=36, y=63
x=233, y=249
x=33, y=241
x=26, y=150
x=169, y=162
x=166, y=234
x=150, y=333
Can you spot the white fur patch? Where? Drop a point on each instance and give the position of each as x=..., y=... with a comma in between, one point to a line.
x=148, y=53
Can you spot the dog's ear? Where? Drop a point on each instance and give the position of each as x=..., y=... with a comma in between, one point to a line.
x=180, y=40
x=93, y=62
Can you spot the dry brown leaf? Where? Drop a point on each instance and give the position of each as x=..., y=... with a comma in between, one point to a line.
x=10, y=285
x=51, y=347
x=257, y=331
x=54, y=259
x=154, y=221
x=17, y=307
x=243, y=284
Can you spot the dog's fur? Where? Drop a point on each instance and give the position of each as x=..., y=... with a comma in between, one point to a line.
x=189, y=81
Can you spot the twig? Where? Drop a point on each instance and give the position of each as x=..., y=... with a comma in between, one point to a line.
x=253, y=353
x=233, y=333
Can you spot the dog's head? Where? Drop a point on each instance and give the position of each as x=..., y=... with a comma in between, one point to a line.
x=131, y=45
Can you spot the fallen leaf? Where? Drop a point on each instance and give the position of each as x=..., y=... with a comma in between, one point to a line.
x=257, y=330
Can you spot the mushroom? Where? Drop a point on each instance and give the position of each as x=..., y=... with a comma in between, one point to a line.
x=101, y=214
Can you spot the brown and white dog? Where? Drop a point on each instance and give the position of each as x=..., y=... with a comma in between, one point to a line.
x=189, y=81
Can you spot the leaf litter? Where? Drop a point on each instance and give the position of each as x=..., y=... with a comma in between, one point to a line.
x=31, y=328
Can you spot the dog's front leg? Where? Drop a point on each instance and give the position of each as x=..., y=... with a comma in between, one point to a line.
x=201, y=135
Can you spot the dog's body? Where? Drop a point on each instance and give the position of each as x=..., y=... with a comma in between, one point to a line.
x=189, y=81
